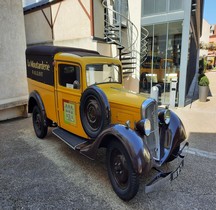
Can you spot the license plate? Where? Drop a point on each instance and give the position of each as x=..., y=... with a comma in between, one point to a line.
x=176, y=173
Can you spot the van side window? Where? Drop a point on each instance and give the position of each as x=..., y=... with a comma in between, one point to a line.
x=69, y=76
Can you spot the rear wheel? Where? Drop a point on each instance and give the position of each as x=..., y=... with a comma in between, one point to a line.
x=124, y=179
x=38, y=122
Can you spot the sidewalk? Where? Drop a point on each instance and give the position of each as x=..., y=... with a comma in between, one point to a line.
x=199, y=119
x=201, y=116
x=210, y=105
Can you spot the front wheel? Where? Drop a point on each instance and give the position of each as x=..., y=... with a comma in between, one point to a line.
x=124, y=179
x=38, y=122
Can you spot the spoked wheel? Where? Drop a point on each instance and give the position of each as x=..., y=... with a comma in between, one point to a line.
x=124, y=179
x=38, y=123
x=94, y=113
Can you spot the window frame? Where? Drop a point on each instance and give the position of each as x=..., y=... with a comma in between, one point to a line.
x=70, y=85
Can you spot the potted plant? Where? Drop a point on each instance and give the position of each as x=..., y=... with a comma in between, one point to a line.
x=203, y=82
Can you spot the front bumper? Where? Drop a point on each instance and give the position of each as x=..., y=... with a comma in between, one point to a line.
x=163, y=177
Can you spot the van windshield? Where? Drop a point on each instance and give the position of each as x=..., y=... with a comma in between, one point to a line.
x=102, y=73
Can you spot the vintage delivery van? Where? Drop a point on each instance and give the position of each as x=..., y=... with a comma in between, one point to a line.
x=80, y=93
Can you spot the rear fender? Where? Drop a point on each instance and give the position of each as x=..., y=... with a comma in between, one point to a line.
x=35, y=100
x=133, y=143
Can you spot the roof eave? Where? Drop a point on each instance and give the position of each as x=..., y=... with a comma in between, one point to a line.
x=39, y=5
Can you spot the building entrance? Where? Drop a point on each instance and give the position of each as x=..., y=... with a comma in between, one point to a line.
x=161, y=66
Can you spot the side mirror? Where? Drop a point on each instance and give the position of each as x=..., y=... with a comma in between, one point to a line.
x=76, y=84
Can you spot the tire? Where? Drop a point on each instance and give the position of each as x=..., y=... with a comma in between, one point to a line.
x=123, y=178
x=93, y=112
x=38, y=123
x=174, y=154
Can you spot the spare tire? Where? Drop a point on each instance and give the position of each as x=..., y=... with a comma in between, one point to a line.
x=94, y=111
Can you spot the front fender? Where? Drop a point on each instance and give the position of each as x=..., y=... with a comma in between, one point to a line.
x=174, y=133
x=177, y=128
x=133, y=143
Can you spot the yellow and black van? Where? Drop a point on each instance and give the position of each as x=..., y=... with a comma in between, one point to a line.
x=80, y=93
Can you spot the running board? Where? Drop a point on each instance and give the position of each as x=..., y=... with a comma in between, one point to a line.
x=70, y=139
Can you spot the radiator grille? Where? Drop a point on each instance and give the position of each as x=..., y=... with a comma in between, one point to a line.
x=149, y=110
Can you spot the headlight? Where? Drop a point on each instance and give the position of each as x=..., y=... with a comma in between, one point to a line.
x=167, y=115
x=164, y=116
x=144, y=126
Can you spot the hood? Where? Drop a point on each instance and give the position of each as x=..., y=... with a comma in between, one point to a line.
x=116, y=94
x=125, y=105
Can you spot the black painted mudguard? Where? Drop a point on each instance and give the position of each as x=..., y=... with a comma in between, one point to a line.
x=133, y=143
x=35, y=99
x=176, y=133
x=34, y=95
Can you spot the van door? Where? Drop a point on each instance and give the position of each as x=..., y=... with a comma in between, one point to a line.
x=68, y=93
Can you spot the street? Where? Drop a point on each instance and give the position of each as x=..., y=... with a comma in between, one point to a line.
x=47, y=174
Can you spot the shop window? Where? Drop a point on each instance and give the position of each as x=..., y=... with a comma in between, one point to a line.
x=160, y=6
x=162, y=63
x=121, y=7
x=150, y=7
x=176, y=5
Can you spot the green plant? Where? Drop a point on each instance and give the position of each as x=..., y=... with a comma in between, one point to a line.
x=202, y=65
x=203, y=80
x=205, y=64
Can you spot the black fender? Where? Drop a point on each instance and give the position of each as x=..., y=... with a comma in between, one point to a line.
x=175, y=132
x=35, y=99
x=137, y=149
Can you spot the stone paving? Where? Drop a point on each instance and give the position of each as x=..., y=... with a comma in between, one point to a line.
x=47, y=174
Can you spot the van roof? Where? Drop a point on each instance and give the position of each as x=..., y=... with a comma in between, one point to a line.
x=44, y=50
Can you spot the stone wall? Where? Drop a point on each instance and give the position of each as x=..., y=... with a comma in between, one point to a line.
x=13, y=83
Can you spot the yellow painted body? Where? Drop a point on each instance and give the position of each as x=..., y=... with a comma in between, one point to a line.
x=124, y=104
x=61, y=102
x=47, y=94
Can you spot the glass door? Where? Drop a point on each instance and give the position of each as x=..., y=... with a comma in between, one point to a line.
x=162, y=64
